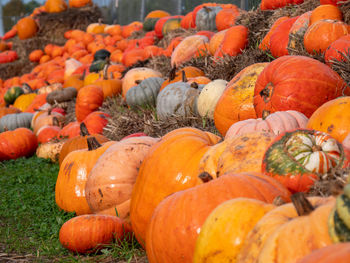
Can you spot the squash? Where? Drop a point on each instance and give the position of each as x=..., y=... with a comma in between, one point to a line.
x=15, y=120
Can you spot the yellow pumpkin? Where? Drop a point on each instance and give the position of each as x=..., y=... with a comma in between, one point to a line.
x=23, y=101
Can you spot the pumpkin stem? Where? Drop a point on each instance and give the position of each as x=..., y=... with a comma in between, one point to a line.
x=265, y=113
x=84, y=130
x=172, y=73
x=93, y=144
x=184, y=78
x=83, y=76
x=207, y=9
x=55, y=122
x=205, y=177
x=266, y=93
x=194, y=85
x=301, y=204
x=105, y=71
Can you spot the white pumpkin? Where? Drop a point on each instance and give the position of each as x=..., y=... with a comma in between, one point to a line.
x=209, y=97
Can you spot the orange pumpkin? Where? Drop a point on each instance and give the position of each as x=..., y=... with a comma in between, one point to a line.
x=154, y=182
x=90, y=233
x=26, y=28
x=36, y=55
x=322, y=12
x=195, y=205
x=334, y=253
x=73, y=174
x=322, y=33
x=89, y=99
x=136, y=74
x=265, y=43
x=236, y=102
x=234, y=41
x=226, y=18
x=55, y=6
x=333, y=118
x=79, y=3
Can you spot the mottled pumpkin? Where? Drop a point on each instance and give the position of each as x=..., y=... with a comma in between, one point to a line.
x=236, y=102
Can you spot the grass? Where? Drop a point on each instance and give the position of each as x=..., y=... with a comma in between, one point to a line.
x=30, y=219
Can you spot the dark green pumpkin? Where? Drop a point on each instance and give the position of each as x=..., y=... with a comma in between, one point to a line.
x=339, y=219
x=12, y=94
x=97, y=66
x=102, y=54
x=149, y=23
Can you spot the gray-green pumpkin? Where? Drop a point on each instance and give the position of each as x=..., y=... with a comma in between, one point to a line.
x=205, y=18
x=177, y=99
x=145, y=94
x=12, y=94
x=149, y=23
x=13, y=121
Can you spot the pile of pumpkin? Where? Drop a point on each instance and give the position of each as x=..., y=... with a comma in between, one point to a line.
x=208, y=199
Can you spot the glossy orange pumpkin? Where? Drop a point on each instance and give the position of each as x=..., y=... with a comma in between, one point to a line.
x=89, y=99
x=326, y=12
x=26, y=28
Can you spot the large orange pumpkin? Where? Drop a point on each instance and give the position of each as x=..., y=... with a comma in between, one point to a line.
x=89, y=99
x=296, y=83
x=325, y=12
x=265, y=43
x=73, y=174
x=234, y=41
x=55, y=6
x=236, y=102
x=165, y=171
x=177, y=220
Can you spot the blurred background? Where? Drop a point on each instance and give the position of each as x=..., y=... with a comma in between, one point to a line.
x=114, y=11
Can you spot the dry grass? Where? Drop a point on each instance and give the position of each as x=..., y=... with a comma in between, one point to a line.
x=161, y=64
x=343, y=67
x=125, y=121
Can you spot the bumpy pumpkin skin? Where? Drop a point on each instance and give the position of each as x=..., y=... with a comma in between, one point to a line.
x=179, y=230
x=236, y=102
x=297, y=32
x=298, y=158
x=335, y=253
x=276, y=123
x=72, y=177
x=225, y=229
x=109, y=186
x=269, y=241
x=164, y=171
x=332, y=118
x=88, y=233
x=339, y=219
x=296, y=83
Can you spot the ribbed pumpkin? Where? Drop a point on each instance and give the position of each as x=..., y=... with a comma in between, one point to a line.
x=144, y=94
x=23, y=101
x=89, y=99
x=187, y=49
x=304, y=225
x=12, y=94
x=47, y=133
x=216, y=41
x=236, y=102
x=79, y=142
x=334, y=253
x=110, y=183
x=332, y=118
x=195, y=205
x=72, y=177
x=209, y=97
x=276, y=123
x=8, y=110
x=296, y=83
x=181, y=75
x=110, y=87
x=20, y=142
x=48, y=118
x=225, y=229
x=298, y=158
x=205, y=18
x=322, y=33
x=90, y=233
x=155, y=182
x=177, y=99
x=226, y=18
x=15, y=120
x=133, y=76
x=339, y=219
x=96, y=121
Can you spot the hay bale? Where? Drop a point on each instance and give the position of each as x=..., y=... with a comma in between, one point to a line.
x=343, y=67
x=345, y=8
x=125, y=121
x=54, y=25
x=175, y=33
x=161, y=64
